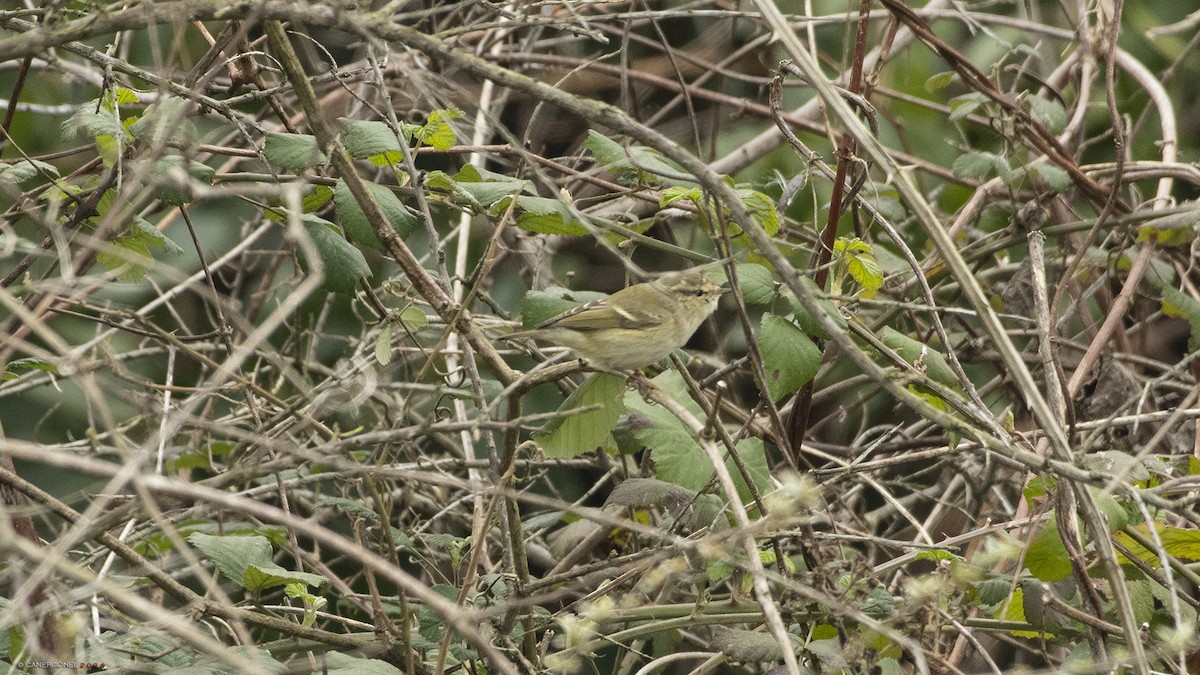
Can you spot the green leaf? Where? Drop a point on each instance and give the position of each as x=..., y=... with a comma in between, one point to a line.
x=1056, y=177
x=1050, y=113
x=649, y=492
x=940, y=81
x=341, y=664
x=436, y=132
x=1172, y=230
x=540, y=306
x=921, y=356
x=313, y=201
x=22, y=170
x=232, y=555
x=260, y=576
x=637, y=165
x=413, y=318
x=609, y=153
x=93, y=123
x=368, y=138
x=1046, y=556
x=542, y=215
x=479, y=191
x=677, y=456
x=680, y=193
x=859, y=258
x=128, y=258
x=1181, y=305
x=171, y=177
x=754, y=457
x=962, y=106
x=15, y=368
x=807, y=322
x=790, y=359
x=888, y=208
x=762, y=208
x=351, y=216
x=165, y=121
x=579, y=431
x=383, y=345
x=756, y=283
x=293, y=152
x=1178, y=542
x=142, y=231
x=748, y=645
x=980, y=165
x=344, y=264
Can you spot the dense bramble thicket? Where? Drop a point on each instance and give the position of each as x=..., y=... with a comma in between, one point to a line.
x=256, y=259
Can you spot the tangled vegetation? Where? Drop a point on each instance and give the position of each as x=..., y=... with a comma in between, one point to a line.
x=257, y=260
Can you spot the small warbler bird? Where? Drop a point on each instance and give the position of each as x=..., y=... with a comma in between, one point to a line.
x=635, y=326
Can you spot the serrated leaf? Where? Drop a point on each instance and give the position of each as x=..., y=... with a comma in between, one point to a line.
x=479, y=191
x=940, y=81
x=1171, y=230
x=344, y=264
x=576, y=433
x=313, y=201
x=790, y=358
x=261, y=576
x=1178, y=304
x=171, y=177
x=992, y=592
x=293, y=152
x=142, y=231
x=748, y=646
x=888, y=208
x=980, y=165
x=233, y=554
x=1056, y=177
x=436, y=132
x=762, y=208
x=607, y=152
x=165, y=120
x=542, y=215
x=753, y=454
x=129, y=259
x=126, y=95
x=860, y=262
x=1046, y=556
x=351, y=216
x=87, y=121
x=635, y=165
x=367, y=138
x=807, y=322
x=342, y=664
x=383, y=345
x=680, y=193
x=677, y=456
x=1178, y=542
x=649, y=492
x=540, y=306
x=962, y=106
x=22, y=170
x=1050, y=113
x=924, y=358
x=1039, y=487
x=413, y=318
x=756, y=284
x=13, y=369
